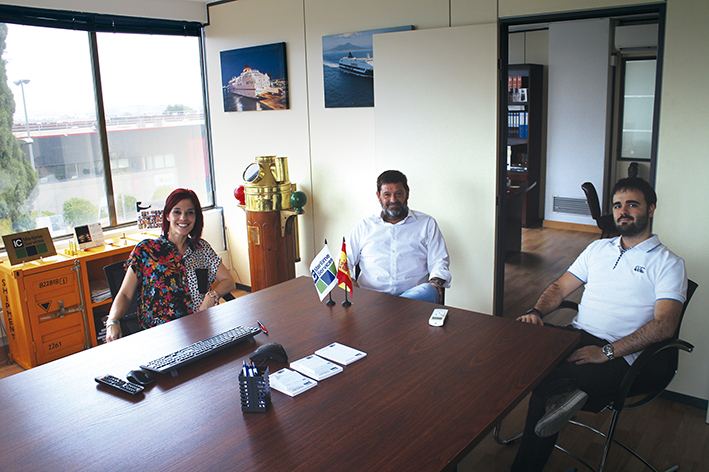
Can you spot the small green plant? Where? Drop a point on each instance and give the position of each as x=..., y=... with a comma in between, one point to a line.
x=79, y=211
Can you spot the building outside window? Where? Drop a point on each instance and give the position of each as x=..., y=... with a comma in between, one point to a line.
x=151, y=91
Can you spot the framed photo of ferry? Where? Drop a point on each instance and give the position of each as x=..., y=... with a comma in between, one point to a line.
x=348, y=68
x=255, y=78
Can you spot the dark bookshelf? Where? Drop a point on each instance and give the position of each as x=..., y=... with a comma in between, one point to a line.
x=524, y=134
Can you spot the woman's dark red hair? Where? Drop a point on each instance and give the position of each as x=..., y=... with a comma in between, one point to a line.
x=173, y=199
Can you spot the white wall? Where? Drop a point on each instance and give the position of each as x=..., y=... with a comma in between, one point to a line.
x=238, y=137
x=576, y=128
x=451, y=173
x=681, y=218
x=343, y=164
x=331, y=151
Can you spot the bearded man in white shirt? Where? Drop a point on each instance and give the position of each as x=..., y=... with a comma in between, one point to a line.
x=400, y=251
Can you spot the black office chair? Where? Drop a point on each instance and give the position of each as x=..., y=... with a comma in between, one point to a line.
x=114, y=275
x=129, y=323
x=605, y=222
x=647, y=378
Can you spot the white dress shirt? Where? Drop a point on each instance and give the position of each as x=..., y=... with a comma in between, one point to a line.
x=396, y=257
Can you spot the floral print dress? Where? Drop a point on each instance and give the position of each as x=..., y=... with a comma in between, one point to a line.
x=168, y=281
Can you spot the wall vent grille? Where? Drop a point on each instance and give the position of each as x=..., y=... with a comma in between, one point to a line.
x=574, y=206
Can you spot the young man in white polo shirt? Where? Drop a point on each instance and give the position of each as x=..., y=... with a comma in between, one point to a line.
x=633, y=296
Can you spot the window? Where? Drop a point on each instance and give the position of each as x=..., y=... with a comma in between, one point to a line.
x=153, y=122
x=638, y=108
x=152, y=91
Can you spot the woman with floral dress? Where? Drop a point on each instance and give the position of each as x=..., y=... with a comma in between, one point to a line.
x=172, y=273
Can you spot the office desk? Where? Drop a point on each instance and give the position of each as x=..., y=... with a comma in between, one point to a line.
x=420, y=400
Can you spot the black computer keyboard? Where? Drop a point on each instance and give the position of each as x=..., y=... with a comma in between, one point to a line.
x=200, y=349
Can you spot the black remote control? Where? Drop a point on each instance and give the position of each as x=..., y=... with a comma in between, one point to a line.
x=120, y=384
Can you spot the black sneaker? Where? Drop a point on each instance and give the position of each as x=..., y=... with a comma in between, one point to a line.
x=560, y=409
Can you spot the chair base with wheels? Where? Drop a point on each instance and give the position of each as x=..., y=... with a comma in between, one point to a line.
x=647, y=378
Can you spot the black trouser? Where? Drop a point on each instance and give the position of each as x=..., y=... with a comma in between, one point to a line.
x=599, y=381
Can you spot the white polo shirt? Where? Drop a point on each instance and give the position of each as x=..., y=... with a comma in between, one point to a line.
x=621, y=287
x=396, y=257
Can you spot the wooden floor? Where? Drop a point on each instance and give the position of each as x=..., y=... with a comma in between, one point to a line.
x=664, y=432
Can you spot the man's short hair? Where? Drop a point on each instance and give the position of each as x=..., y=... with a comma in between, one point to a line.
x=636, y=183
x=391, y=177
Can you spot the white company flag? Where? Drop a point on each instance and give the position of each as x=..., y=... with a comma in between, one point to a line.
x=324, y=272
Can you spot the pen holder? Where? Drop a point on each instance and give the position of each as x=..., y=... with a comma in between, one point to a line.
x=255, y=391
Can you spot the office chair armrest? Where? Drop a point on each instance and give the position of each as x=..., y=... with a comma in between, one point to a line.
x=643, y=359
x=565, y=304
x=568, y=304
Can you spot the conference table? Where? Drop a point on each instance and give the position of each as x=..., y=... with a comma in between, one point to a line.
x=420, y=400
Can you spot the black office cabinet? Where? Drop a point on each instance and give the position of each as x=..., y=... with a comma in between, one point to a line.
x=524, y=137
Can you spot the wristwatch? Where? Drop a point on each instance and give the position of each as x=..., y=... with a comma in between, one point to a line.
x=437, y=282
x=112, y=322
x=608, y=351
x=534, y=310
x=214, y=295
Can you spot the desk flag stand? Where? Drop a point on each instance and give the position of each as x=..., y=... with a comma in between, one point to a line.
x=346, y=302
x=343, y=274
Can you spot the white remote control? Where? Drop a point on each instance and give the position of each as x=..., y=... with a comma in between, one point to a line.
x=438, y=317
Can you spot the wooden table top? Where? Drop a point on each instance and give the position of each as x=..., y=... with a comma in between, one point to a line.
x=420, y=400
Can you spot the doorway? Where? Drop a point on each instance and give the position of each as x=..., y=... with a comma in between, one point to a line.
x=627, y=98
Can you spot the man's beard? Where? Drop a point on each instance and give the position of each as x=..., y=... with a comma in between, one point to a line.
x=394, y=211
x=635, y=227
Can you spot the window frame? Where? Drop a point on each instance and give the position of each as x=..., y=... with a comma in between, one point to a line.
x=624, y=60
x=94, y=23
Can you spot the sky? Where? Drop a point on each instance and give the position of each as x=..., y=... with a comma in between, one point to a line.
x=140, y=73
x=361, y=38
x=267, y=59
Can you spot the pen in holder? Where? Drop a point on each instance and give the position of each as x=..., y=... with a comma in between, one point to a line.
x=255, y=391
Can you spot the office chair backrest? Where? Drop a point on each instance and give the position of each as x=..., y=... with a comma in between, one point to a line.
x=592, y=199
x=691, y=288
x=653, y=378
x=115, y=273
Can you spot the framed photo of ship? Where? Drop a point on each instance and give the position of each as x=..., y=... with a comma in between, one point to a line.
x=255, y=78
x=348, y=68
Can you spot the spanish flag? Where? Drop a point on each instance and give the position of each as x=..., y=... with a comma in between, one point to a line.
x=343, y=270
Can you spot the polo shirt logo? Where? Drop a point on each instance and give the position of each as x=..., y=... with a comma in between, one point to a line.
x=640, y=269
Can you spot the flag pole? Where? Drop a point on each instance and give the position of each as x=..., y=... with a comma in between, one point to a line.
x=330, y=301
x=346, y=303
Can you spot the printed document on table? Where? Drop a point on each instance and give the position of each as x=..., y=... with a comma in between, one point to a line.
x=340, y=353
x=291, y=382
x=316, y=367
